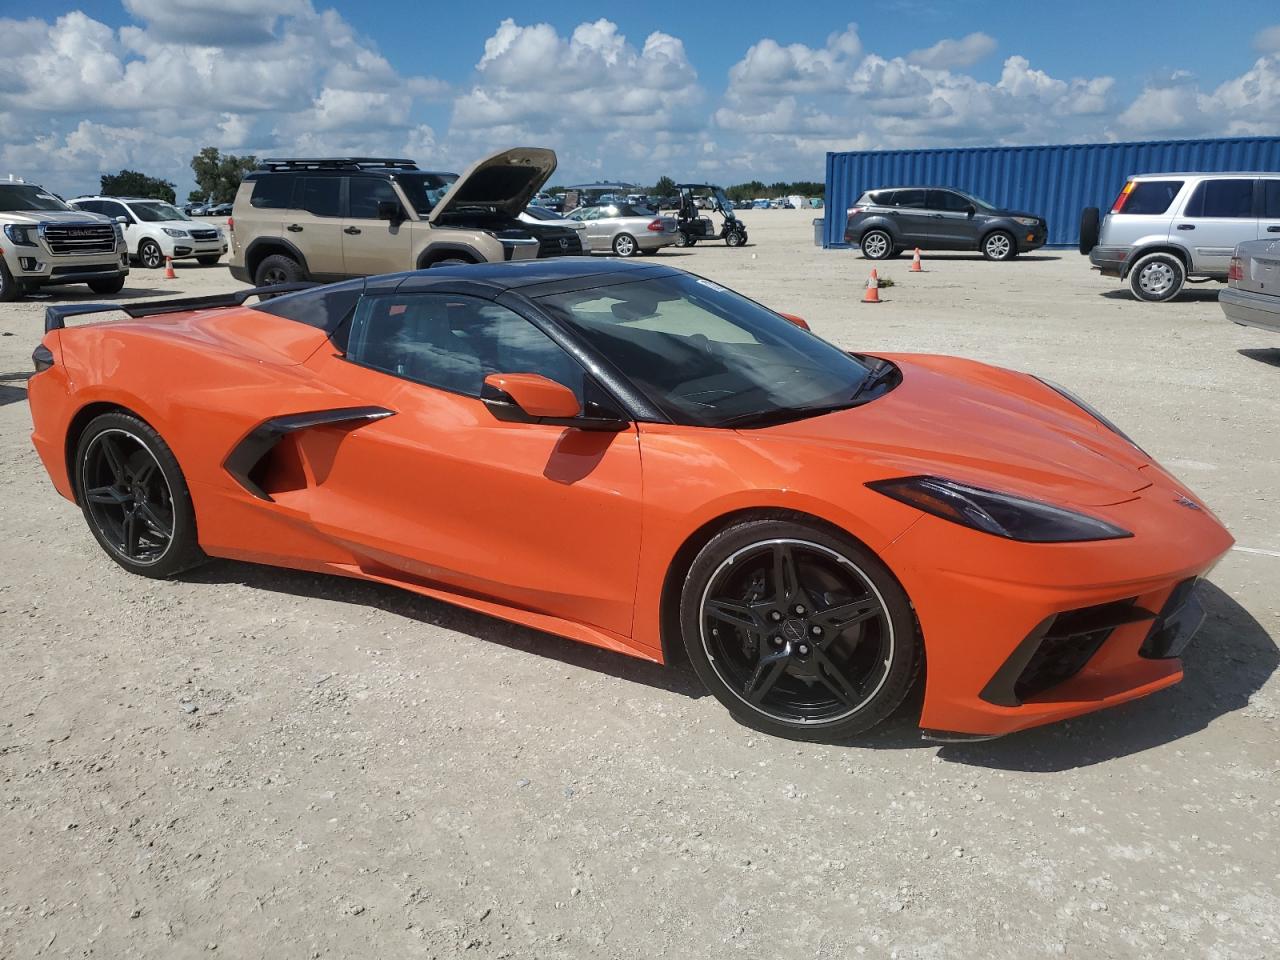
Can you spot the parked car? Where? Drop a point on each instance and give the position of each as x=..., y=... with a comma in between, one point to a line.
x=640, y=459
x=219, y=209
x=886, y=221
x=154, y=230
x=1167, y=229
x=1252, y=295
x=325, y=219
x=548, y=217
x=625, y=230
x=760, y=203
x=44, y=243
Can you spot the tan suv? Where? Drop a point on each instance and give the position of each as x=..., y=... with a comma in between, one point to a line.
x=328, y=219
x=44, y=243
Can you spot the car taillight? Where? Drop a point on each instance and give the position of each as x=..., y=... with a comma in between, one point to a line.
x=1236, y=270
x=655, y=225
x=854, y=211
x=1124, y=195
x=231, y=223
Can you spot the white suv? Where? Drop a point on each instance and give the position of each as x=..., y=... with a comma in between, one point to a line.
x=154, y=230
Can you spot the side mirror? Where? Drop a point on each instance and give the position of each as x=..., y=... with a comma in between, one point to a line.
x=390, y=210
x=798, y=321
x=533, y=398
x=122, y=220
x=970, y=210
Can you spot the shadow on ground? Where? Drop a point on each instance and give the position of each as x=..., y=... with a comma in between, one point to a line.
x=1268, y=355
x=1188, y=295
x=9, y=394
x=943, y=255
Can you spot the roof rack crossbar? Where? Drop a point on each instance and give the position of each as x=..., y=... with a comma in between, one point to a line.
x=55, y=318
x=335, y=163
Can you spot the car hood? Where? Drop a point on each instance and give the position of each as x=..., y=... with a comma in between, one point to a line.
x=1016, y=213
x=981, y=425
x=504, y=181
x=53, y=216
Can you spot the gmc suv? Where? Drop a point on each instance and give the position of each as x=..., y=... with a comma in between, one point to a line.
x=45, y=243
x=328, y=219
x=1168, y=229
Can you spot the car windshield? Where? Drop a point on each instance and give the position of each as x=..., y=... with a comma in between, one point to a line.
x=707, y=356
x=23, y=196
x=425, y=190
x=156, y=212
x=541, y=213
x=978, y=202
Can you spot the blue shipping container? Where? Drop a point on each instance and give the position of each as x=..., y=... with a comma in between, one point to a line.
x=1055, y=181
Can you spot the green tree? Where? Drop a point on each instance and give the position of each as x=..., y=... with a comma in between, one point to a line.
x=665, y=187
x=197, y=196
x=218, y=175
x=131, y=183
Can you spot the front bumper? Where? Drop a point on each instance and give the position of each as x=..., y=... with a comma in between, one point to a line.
x=38, y=269
x=989, y=607
x=1032, y=238
x=1251, y=309
x=1111, y=261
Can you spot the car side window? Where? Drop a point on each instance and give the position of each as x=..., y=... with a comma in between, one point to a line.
x=272, y=192
x=1230, y=199
x=88, y=206
x=909, y=198
x=454, y=342
x=948, y=201
x=319, y=196
x=365, y=193
x=1271, y=199
x=113, y=210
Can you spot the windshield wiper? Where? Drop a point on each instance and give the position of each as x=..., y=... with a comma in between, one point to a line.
x=880, y=373
x=765, y=418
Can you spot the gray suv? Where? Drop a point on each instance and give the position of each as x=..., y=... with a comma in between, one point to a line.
x=885, y=222
x=1167, y=229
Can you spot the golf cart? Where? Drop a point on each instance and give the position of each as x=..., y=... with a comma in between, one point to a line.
x=692, y=227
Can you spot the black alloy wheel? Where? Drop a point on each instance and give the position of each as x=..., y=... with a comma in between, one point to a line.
x=134, y=497
x=798, y=633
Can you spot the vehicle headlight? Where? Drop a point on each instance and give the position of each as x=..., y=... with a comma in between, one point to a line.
x=1027, y=221
x=176, y=233
x=1000, y=514
x=19, y=234
x=1087, y=408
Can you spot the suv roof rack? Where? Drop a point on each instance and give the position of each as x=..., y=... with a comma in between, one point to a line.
x=335, y=163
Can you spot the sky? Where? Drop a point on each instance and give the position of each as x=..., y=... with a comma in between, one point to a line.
x=705, y=90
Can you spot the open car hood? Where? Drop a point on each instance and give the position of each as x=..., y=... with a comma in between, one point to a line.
x=504, y=182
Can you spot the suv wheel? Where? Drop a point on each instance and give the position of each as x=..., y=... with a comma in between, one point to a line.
x=999, y=246
x=114, y=285
x=8, y=288
x=877, y=245
x=150, y=255
x=278, y=268
x=1157, y=277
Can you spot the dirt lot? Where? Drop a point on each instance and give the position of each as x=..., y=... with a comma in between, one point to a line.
x=273, y=764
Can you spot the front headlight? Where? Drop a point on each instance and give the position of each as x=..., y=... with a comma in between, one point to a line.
x=1087, y=408
x=1000, y=514
x=1027, y=221
x=175, y=233
x=19, y=234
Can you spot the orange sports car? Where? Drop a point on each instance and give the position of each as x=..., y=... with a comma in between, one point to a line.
x=639, y=458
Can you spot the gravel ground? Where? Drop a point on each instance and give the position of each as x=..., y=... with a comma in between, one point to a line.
x=264, y=763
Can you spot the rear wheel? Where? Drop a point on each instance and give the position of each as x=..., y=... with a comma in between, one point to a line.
x=877, y=245
x=134, y=497
x=624, y=245
x=277, y=269
x=1157, y=277
x=999, y=246
x=798, y=631
x=682, y=239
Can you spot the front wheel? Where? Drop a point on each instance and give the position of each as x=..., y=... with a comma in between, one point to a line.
x=150, y=255
x=999, y=246
x=135, y=498
x=735, y=238
x=799, y=631
x=9, y=289
x=624, y=245
x=1157, y=277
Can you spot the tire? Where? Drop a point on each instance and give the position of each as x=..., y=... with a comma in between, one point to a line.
x=150, y=255
x=876, y=245
x=999, y=245
x=624, y=245
x=845, y=651
x=9, y=289
x=135, y=498
x=452, y=262
x=1090, y=217
x=278, y=268
x=683, y=239
x=735, y=238
x=115, y=285
x=1157, y=277
x=209, y=261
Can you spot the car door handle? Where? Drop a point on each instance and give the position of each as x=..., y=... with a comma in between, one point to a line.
x=293, y=228
x=1273, y=229
x=936, y=216
x=1186, y=226
x=352, y=230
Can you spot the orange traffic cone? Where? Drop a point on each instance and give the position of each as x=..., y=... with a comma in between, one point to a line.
x=168, y=269
x=873, y=289
x=915, y=263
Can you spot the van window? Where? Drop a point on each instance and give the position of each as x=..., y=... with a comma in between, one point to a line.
x=1271, y=199
x=1232, y=199
x=1151, y=197
x=273, y=192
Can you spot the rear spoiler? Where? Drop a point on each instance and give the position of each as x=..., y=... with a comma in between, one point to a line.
x=55, y=318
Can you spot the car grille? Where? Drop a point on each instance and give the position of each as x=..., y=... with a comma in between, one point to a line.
x=75, y=238
x=204, y=234
x=566, y=245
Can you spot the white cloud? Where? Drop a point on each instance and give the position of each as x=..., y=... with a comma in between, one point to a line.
x=1267, y=40
x=770, y=68
x=949, y=54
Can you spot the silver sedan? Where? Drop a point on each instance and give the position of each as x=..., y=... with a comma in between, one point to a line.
x=625, y=229
x=1252, y=297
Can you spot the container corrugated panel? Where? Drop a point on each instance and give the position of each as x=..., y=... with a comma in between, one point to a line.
x=1055, y=182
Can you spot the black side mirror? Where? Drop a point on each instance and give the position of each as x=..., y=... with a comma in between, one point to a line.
x=390, y=210
x=970, y=210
